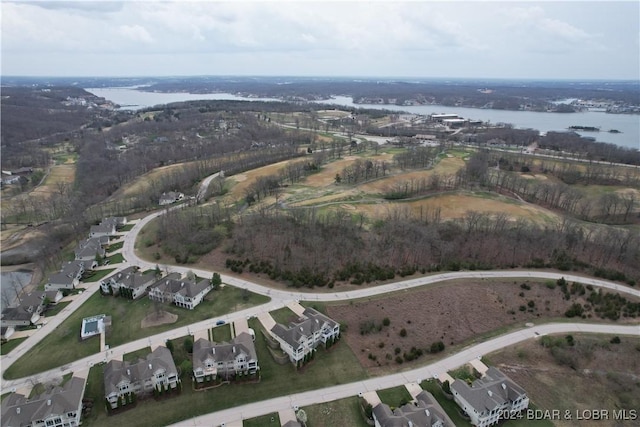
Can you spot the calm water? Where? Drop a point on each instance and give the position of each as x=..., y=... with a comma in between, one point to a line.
x=628, y=124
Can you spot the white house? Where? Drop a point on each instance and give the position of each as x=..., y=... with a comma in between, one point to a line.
x=170, y=197
x=58, y=407
x=184, y=293
x=300, y=338
x=68, y=277
x=212, y=360
x=490, y=398
x=129, y=278
x=156, y=371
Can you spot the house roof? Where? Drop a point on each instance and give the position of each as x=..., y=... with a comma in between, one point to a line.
x=489, y=392
x=313, y=322
x=116, y=371
x=103, y=228
x=26, y=308
x=426, y=411
x=91, y=247
x=223, y=352
x=130, y=277
x=17, y=410
x=185, y=287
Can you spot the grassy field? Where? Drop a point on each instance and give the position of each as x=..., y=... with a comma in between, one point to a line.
x=63, y=345
x=283, y=315
x=135, y=355
x=97, y=275
x=394, y=397
x=276, y=380
x=343, y=412
x=116, y=258
x=268, y=420
x=221, y=333
x=56, y=308
x=6, y=347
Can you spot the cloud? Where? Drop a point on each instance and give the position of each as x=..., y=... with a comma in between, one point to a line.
x=82, y=6
x=136, y=33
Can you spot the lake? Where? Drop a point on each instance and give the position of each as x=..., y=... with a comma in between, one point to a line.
x=627, y=124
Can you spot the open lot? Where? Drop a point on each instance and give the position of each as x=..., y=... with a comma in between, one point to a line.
x=343, y=412
x=592, y=374
x=451, y=312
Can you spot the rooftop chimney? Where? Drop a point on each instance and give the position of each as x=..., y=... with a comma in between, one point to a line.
x=150, y=367
x=49, y=402
x=17, y=410
x=234, y=348
x=128, y=371
x=489, y=393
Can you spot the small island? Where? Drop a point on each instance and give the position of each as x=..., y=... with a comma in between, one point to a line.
x=585, y=128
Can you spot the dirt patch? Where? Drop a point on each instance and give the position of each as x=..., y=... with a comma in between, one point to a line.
x=451, y=312
x=157, y=319
x=606, y=376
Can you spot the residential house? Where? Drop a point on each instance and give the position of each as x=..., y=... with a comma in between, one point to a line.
x=225, y=360
x=425, y=411
x=26, y=313
x=58, y=407
x=490, y=398
x=156, y=371
x=182, y=292
x=102, y=230
x=170, y=197
x=68, y=277
x=53, y=297
x=89, y=249
x=129, y=278
x=301, y=337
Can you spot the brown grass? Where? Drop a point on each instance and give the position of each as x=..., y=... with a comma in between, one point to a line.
x=453, y=312
x=603, y=378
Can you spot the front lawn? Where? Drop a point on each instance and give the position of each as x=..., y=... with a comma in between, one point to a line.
x=115, y=246
x=94, y=276
x=116, y=258
x=343, y=412
x=395, y=397
x=269, y=420
x=57, y=308
x=6, y=347
x=63, y=344
x=336, y=366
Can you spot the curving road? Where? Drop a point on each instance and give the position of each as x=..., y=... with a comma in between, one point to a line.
x=279, y=299
x=328, y=394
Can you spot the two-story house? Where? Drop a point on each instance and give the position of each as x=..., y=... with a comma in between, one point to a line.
x=156, y=371
x=27, y=312
x=490, y=398
x=131, y=279
x=185, y=293
x=89, y=249
x=58, y=407
x=68, y=277
x=425, y=411
x=302, y=337
x=225, y=360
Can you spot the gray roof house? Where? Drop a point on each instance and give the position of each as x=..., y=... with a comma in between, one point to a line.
x=26, y=313
x=425, y=411
x=237, y=357
x=129, y=278
x=170, y=197
x=89, y=248
x=156, y=370
x=68, y=277
x=489, y=398
x=184, y=293
x=61, y=406
x=301, y=337
x=108, y=229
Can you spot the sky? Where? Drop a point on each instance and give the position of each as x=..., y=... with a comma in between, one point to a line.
x=422, y=39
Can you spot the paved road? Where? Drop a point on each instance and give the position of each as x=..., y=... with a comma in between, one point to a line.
x=329, y=394
x=204, y=186
x=279, y=299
